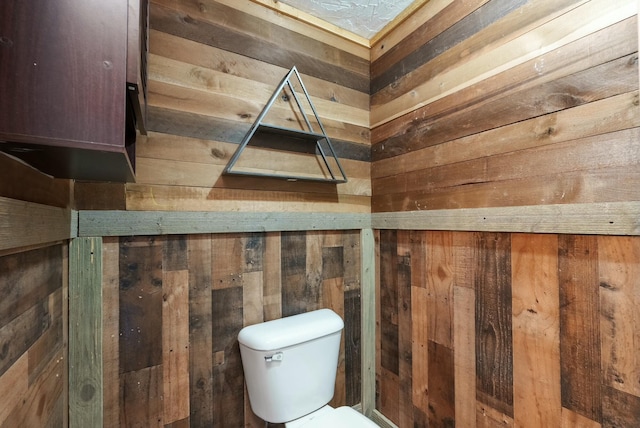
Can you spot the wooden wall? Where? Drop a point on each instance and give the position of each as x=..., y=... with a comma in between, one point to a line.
x=174, y=305
x=33, y=292
x=493, y=103
x=505, y=103
x=499, y=329
x=213, y=66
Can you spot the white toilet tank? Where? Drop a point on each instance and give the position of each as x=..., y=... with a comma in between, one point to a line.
x=290, y=364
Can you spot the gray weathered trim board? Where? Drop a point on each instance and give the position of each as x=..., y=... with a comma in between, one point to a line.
x=368, y=342
x=608, y=218
x=126, y=223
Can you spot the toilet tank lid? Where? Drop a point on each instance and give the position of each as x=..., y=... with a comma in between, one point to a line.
x=289, y=331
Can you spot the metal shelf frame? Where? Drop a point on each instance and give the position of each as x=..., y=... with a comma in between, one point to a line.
x=309, y=136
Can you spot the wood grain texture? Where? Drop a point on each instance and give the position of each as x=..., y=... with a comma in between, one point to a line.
x=494, y=343
x=33, y=337
x=536, y=338
x=193, y=293
x=580, y=325
x=536, y=331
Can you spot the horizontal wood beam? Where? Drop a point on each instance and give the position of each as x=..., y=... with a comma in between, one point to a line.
x=608, y=218
x=24, y=224
x=126, y=223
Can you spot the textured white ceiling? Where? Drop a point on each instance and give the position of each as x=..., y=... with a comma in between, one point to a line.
x=362, y=17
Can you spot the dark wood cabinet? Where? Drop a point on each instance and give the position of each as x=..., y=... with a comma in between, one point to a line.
x=72, y=85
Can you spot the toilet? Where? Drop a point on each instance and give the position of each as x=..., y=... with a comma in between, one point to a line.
x=290, y=369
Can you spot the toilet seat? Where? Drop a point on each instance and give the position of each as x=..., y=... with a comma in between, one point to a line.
x=342, y=417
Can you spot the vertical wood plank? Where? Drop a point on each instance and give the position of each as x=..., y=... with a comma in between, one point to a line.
x=200, y=331
x=579, y=325
x=228, y=376
x=272, y=294
x=85, y=333
x=141, y=398
x=353, y=346
x=619, y=268
x=140, y=262
x=110, y=325
x=314, y=271
x=227, y=264
x=536, y=335
x=464, y=356
x=441, y=386
x=369, y=338
x=440, y=287
x=420, y=352
x=295, y=290
x=389, y=300
x=494, y=344
x=175, y=344
x=405, y=358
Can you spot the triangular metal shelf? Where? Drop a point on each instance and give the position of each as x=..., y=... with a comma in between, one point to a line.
x=309, y=139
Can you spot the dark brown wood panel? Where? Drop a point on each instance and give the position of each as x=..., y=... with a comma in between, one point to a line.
x=494, y=344
x=140, y=303
x=580, y=325
x=389, y=301
x=441, y=410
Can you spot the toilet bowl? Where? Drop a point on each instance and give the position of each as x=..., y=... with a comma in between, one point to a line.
x=342, y=417
x=290, y=367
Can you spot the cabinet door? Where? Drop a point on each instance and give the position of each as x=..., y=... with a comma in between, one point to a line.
x=62, y=72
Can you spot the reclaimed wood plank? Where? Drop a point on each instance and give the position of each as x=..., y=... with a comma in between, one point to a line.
x=272, y=293
x=464, y=357
x=25, y=224
x=572, y=419
x=487, y=417
x=15, y=379
x=405, y=328
x=353, y=353
x=141, y=398
x=493, y=326
x=420, y=351
x=228, y=376
x=440, y=280
x=619, y=270
x=175, y=343
x=295, y=292
x=140, y=261
x=227, y=263
x=173, y=198
x=619, y=409
x=580, y=325
x=85, y=333
x=577, y=188
x=596, y=218
x=389, y=352
x=200, y=331
x=441, y=386
x=35, y=187
x=536, y=331
x=110, y=329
